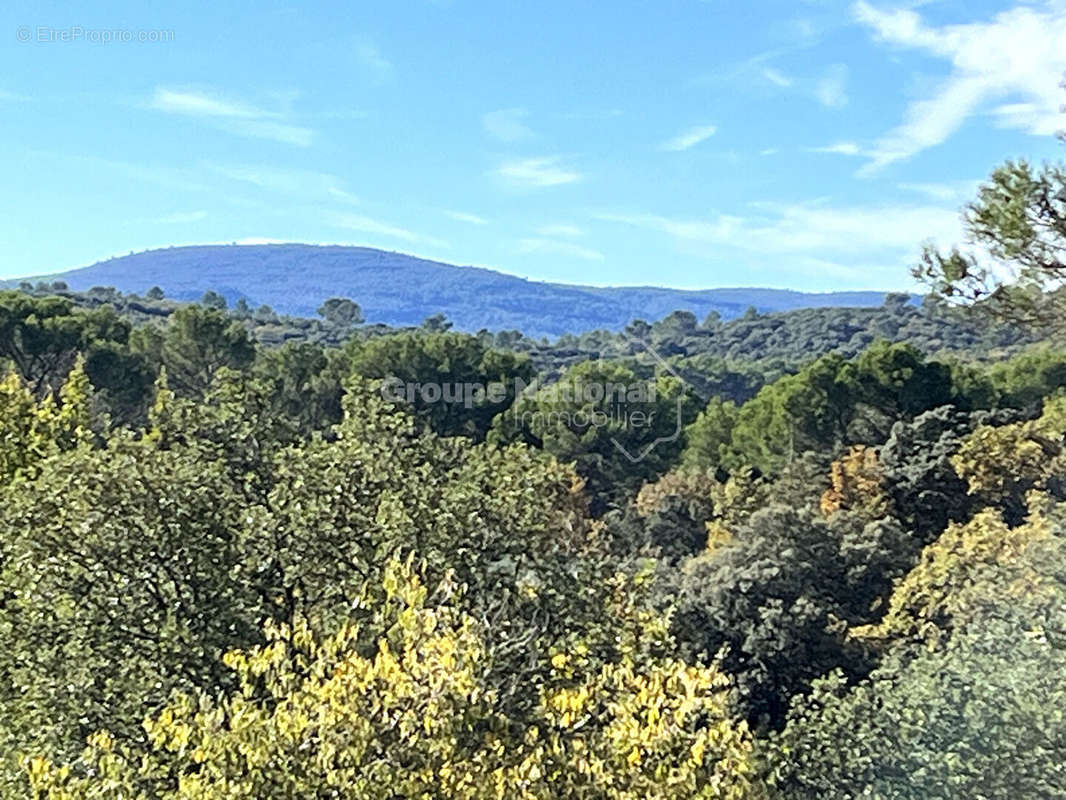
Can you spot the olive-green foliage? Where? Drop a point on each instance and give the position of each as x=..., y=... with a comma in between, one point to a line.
x=41, y=338
x=121, y=577
x=776, y=596
x=1025, y=380
x=342, y=312
x=926, y=491
x=305, y=383
x=709, y=439
x=195, y=344
x=1001, y=464
x=127, y=570
x=829, y=404
x=712, y=376
x=668, y=517
x=412, y=611
x=968, y=700
x=415, y=716
x=446, y=361
x=619, y=429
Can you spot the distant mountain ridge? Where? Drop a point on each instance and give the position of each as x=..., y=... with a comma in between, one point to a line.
x=400, y=289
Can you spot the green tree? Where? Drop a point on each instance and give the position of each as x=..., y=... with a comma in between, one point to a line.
x=118, y=574
x=197, y=342
x=342, y=312
x=413, y=714
x=1018, y=222
x=829, y=404
x=453, y=381
x=305, y=384
x=708, y=440
x=436, y=323
x=213, y=299
x=41, y=337
x=32, y=430
x=127, y=571
x=770, y=603
x=619, y=429
x=967, y=700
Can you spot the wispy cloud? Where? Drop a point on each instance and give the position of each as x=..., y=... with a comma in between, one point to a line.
x=278, y=131
x=342, y=194
x=177, y=101
x=689, y=138
x=954, y=192
x=462, y=216
x=831, y=90
x=507, y=124
x=229, y=115
x=365, y=224
x=558, y=248
x=810, y=228
x=1019, y=56
x=840, y=149
x=777, y=77
x=537, y=173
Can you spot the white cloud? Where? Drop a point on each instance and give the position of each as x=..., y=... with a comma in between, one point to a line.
x=277, y=131
x=555, y=247
x=564, y=230
x=462, y=216
x=1017, y=57
x=816, y=230
x=954, y=192
x=690, y=138
x=193, y=103
x=536, y=173
x=840, y=149
x=776, y=77
x=831, y=90
x=342, y=194
x=506, y=124
x=231, y=116
x=364, y=224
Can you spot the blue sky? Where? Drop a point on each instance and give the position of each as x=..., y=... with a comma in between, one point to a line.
x=808, y=144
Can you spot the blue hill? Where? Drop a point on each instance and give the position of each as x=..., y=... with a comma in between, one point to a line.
x=400, y=289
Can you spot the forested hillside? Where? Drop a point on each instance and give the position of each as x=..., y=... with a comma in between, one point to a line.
x=400, y=289
x=802, y=555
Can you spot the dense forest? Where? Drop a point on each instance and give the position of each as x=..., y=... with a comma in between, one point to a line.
x=814, y=554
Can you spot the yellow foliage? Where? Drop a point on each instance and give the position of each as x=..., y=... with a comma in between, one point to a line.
x=414, y=715
x=31, y=430
x=950, y=583
x=1005, y=460
x=857, y=484
x=693, y=487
